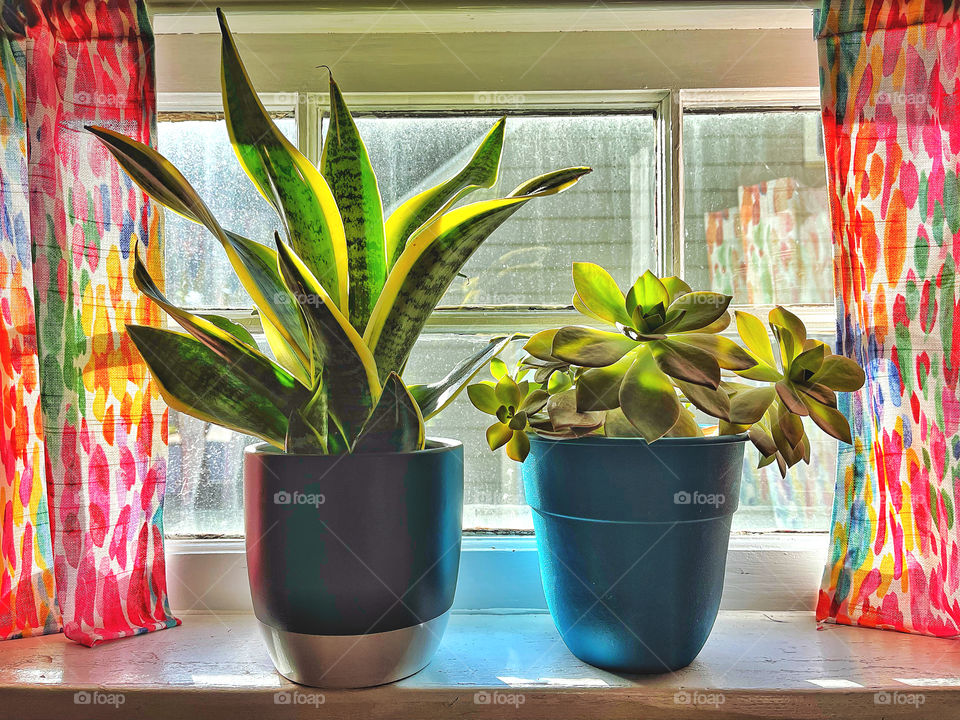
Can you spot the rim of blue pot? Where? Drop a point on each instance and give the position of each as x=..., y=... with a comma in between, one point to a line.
x=596, y=441
x=439, y=445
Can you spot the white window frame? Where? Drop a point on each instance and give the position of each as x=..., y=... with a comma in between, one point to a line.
x=765, y=571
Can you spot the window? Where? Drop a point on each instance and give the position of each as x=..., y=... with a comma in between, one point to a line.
x=753, y=214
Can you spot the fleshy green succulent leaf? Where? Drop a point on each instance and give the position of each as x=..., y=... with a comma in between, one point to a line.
x=615, y=424
x=675, y=287
x=432, y=259
x=255, y=264
x=498, y=435
x=781, y=317
x=754, y=335
x=647, y=292
x=540, y=345
x=790, y=398
x=839, y=373
x=518, y=447
x=589, y=347
x=748, y=406
x=579, y=306
x=395, y=425
x=718, y=325
x=498, y=368
x=820, y=393
x=246, y=361
x=807, y=363
x=434, y=397
x=685, y=426
x=283, y=175
x=599, y=293
x=483, y=395
x=534, y=402
x=648, y=397
x=480, y=172
x=563, y=413
x=518, y=421
x=599, y=388
x=345, y=165
x=558, y=382
x=687, y=362
x=763, y=442
x=196, y=381
x=348, y=368
x=729, y=355
x=792, y=428
x=508, y=392
x=701, y=310
x=715, y=403
x=235, y=329
x=828, y=419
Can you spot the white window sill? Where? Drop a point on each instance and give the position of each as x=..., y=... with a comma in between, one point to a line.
x=755, y=664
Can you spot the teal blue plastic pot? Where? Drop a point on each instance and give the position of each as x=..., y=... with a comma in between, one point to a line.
x=632, y=539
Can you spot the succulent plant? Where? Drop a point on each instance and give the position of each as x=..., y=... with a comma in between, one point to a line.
x=665, y=358
x=341, y=299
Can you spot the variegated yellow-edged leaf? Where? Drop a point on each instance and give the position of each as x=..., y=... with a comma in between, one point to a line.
x=395, y=425
x=196, y=381
x=255, y=264
x=238, y=356
x=284, y=176
x=346, y=166
x=480, y=172
x=434, y=397
x=432, y=259
x=285, y=353
x=348, y=368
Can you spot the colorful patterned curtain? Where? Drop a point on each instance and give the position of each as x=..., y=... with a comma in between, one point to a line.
x=891, y=116
x=82, y=428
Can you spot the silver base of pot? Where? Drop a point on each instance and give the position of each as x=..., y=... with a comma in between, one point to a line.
x=353, y=661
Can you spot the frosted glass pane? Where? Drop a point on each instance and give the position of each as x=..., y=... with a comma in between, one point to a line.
x=608, y=217
x=198, y=273
x=756, y=217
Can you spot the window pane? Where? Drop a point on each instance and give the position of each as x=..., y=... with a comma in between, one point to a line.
x=608, y=217
x=756, y=220
x=198, y=273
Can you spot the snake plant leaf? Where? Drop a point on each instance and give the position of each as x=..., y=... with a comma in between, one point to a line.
x=432, y=259
x=434, y=397
x=749, y=405
x=675, y=287
x=839, y=373
x=240, y=357
x=715, y=403
x=346, y=166
x=540, y=345
x=480, y=172
x=700, y=309
x=303, y=437
x=685, y=426
x=498, y=435
x=599, y=293
x=647, y=292
x=286, y=354
x=828, y=419
x=790, y=398
x=754, y=335
x=284, y=176
x=683, y=361
x=518, y=446
x=599, y=388
x=196, y=381
x=348, y=367
x=255, y=264
x=729, y=355
x=588, y=347
x=484, y=397
x=395, y=425
x=648, y=397
x=235, y=329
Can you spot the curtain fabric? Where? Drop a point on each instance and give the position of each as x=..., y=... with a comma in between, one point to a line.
x=890, y=97
x=84, y=430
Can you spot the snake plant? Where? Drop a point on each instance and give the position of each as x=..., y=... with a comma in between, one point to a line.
x=665, y=357
x=343, y=294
